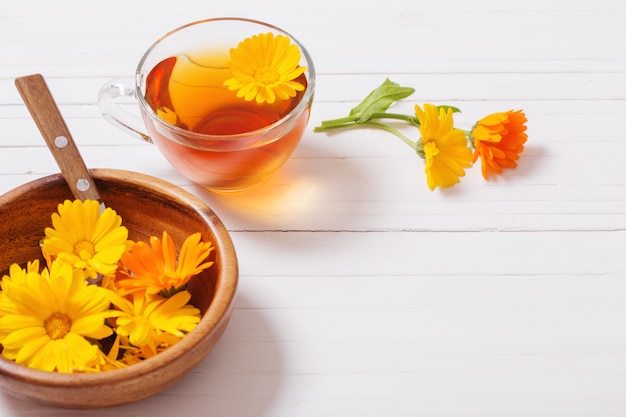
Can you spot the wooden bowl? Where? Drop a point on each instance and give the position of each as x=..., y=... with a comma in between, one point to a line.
x=148, y=206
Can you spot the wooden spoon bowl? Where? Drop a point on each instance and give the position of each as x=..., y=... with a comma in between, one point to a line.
x=148, y=206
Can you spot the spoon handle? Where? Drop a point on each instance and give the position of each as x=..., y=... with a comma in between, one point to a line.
x=47, y=116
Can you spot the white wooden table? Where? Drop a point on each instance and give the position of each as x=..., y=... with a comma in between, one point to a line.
x=363, y=293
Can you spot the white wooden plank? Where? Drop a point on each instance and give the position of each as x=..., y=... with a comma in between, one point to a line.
x=430, y=41
x=503, y=88
x=445, y=345
x=527, y=254
x=548, y=190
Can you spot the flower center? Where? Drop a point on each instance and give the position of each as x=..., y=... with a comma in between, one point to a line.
x=430, y=149
x=57, y=325
x=84, y=249
x=266, y=75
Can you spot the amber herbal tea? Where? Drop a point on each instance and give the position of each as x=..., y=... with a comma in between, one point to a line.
x=188, y=91
x=225, y=100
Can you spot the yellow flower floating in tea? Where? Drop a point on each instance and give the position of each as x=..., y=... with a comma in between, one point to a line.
x=55, y=319
x=497, y=139
x=264, y=68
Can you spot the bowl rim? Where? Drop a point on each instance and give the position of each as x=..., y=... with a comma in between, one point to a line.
x=211, y=320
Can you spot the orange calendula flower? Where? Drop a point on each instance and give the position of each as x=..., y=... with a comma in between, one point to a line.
x=264, y=68
x=499, y=139
x=444, y=147
x=154, y=268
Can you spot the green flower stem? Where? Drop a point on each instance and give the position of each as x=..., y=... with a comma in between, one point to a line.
x=348, y=120
x=395, y=131
x=332, y=125
x=397, y=116
x=470, y=138
x=336, y=123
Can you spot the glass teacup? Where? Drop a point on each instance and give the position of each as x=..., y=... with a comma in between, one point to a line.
x=196, y=90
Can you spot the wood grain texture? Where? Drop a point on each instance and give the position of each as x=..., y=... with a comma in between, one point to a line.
x=47, y=116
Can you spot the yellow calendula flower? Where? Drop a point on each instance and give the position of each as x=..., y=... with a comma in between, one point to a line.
x=106, y=362
x=264, y=68
x=497, y=139
x=151, y=322
x=90, y=241
x=445, y=147
x=155, y=268
x=50, y=316
x=17, y=275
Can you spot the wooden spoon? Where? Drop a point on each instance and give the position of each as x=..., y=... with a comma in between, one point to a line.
x=46, y=114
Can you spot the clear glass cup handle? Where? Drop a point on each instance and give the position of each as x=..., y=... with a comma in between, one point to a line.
x=109, y=98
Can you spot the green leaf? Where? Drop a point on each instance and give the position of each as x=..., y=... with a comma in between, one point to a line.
x=380, y=99
x=446, y=108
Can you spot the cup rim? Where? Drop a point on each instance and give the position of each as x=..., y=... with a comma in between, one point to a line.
x=297, y=110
